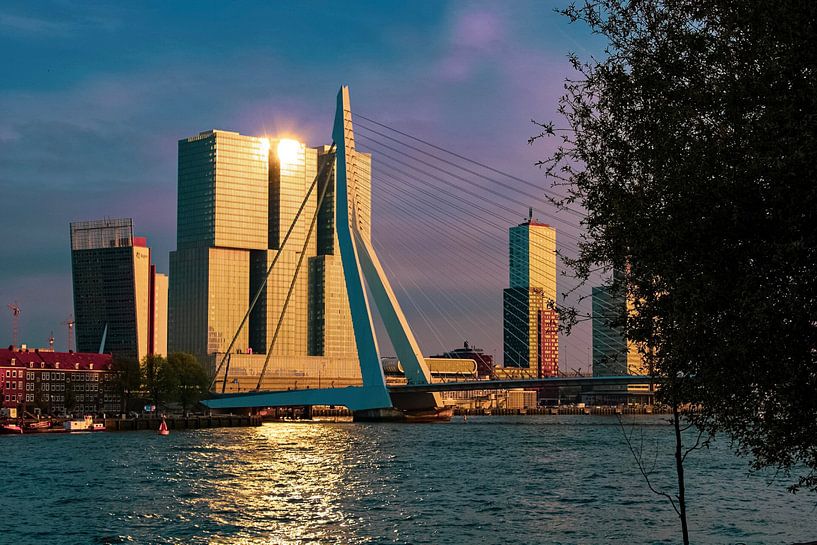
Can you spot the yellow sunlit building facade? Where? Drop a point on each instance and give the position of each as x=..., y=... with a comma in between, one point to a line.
x=238, y=197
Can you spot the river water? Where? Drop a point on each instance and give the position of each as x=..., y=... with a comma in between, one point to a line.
x=503, y=480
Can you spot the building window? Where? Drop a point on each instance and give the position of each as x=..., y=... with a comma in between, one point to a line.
x=14, y=374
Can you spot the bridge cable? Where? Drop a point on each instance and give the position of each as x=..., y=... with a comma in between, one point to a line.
x=443, y=293
x=462, y=157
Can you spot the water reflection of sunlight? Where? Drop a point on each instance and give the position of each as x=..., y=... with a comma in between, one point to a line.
x=283, y=483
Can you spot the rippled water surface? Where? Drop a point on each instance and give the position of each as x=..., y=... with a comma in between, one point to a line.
x=522, y=480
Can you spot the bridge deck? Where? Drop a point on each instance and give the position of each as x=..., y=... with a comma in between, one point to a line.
x=355, y=396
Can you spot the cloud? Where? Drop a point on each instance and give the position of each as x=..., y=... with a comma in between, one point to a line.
x=478, y=29
x=34, y=25
x=61, y=23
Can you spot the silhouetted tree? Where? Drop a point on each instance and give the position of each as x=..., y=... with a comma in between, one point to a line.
x=691, y=144
x=128, y=380
x=152, y=378
x=187, y=378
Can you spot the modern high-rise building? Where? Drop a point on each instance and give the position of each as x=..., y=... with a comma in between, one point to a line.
x=613, y=354
x=530, y=326
x=609, y=345
x=292, y=169
x=331, y=332
x=119, y=305
x=223, y=254
x=222, y=215
x=158, y=341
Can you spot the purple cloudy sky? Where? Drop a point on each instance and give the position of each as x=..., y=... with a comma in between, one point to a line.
x=95, y=96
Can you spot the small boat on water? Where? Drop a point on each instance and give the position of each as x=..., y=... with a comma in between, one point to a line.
x=163, y=428
x=40, y=425
x=10, y=429
x=86, y=424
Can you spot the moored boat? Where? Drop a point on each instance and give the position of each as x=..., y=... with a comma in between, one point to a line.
x=39, y=425
x=10, y=429
x=86, y=424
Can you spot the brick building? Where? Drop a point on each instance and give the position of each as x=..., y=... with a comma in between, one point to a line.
x=58, y=382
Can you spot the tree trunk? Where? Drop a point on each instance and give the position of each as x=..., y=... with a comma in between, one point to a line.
x=679, y=467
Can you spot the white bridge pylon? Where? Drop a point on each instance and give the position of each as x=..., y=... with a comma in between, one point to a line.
x=360, y=263
x=361, y=269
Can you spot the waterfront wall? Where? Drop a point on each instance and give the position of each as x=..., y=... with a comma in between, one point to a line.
x=563, y=410
x=182, y=423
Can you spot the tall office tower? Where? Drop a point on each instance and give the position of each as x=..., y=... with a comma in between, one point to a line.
x=115, y=304
x=613, y=355
x=292, y=169
x=159, y=284
x=330, y=321
x=223, y=214
x=530, y=332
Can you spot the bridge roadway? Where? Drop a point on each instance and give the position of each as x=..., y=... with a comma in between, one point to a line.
x=352, y=397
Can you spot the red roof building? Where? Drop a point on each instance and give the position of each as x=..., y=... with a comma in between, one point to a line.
x=58, y=382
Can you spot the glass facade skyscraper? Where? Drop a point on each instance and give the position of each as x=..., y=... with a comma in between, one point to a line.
x=238, y=197
x=529, y=326
x=613, y=355
x=331, y=332
x=223, y=215
x=119, y=306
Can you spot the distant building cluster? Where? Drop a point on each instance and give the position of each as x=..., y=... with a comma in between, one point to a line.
x=238, y=197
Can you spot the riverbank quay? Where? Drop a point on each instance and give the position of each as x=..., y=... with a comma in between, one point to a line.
x=328, y=414
x=183, y=423
x=596, y=410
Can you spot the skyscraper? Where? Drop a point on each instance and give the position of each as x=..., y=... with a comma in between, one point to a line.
x=159, y=284
x=530, y=327
x=609, y=345
x=223, y=254
x=613, y=354
x=292, y=169
x=223, y=214
x=331, y=332
x=118, y=304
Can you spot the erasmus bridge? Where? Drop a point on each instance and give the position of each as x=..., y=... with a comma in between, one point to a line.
x=369, y=291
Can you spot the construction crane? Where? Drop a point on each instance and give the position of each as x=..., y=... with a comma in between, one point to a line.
x=70, y=324
x=15, y=322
